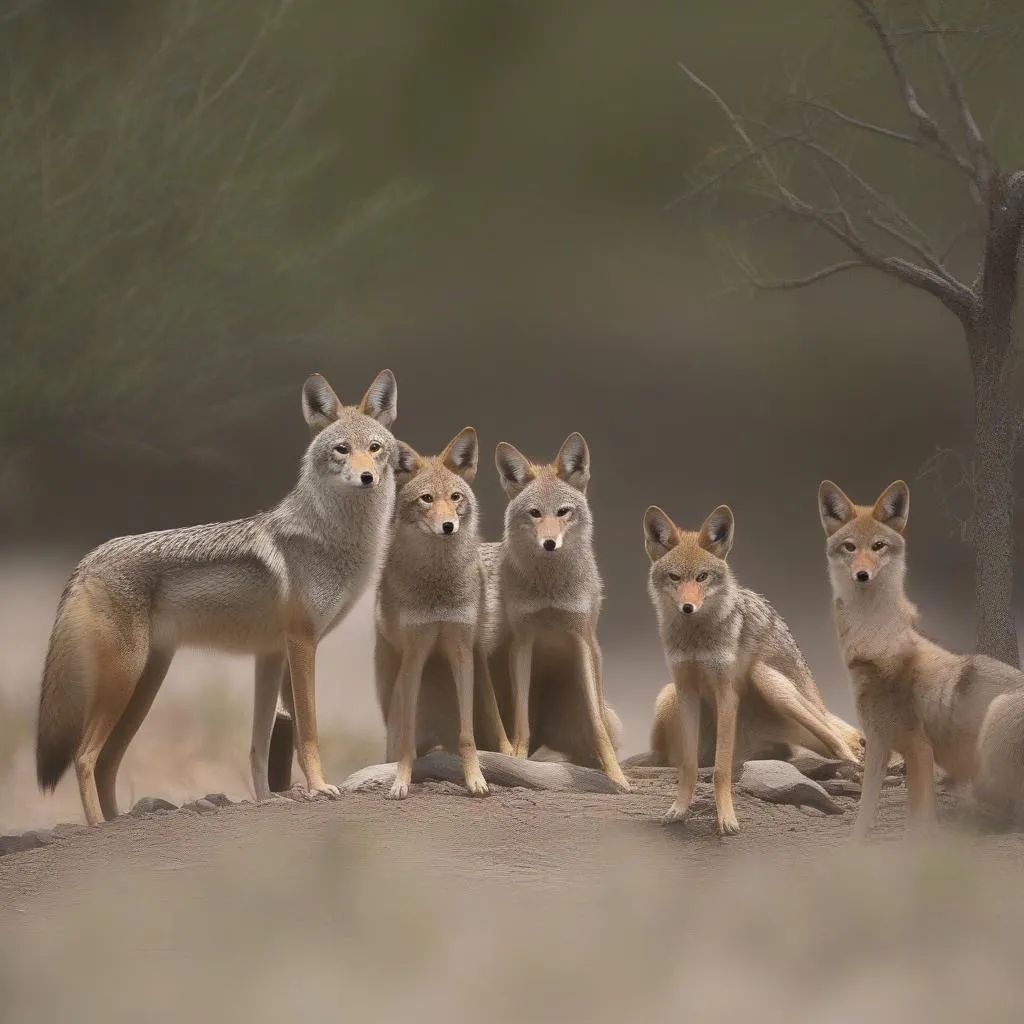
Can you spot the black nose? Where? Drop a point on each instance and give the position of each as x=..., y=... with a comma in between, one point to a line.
x=549, y=545
x=863, y=576
x=687, y=608
x=448, y=527
x=367, y=478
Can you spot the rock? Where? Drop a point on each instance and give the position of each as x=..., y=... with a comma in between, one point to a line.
x=779, y=782
x=203, y=806
x=26, y=841
x=644, y=760
x=840, y=787
x=816, y=767
x=150, y=805
x=892, y=780
x=217, y=799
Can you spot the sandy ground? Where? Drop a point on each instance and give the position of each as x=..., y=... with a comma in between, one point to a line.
x=525, y=906
x=522, y=906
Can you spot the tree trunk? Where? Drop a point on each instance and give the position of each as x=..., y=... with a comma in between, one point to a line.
x=995, y=432
x=989, y=330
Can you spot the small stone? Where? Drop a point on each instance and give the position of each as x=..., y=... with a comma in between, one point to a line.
x=816, y=767
x=892, y=780
x=218, y=799
x=780, y=782
x=150, y=805
x=203, y=806
x=840, y=787
x=43, y=836
x=25, y=841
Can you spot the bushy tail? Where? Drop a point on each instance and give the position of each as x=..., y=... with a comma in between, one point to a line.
x=63, y=695
x=498, y=770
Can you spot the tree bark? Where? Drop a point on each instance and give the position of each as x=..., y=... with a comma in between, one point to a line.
x=992, y=518
x=989, y=332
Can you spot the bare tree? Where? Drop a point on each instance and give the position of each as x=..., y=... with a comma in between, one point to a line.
x=876, y=233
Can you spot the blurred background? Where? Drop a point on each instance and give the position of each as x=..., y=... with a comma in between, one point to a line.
x=203, y=202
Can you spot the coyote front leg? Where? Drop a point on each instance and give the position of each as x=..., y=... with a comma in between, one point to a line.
x=726, y=707
x=495, y=727
x=688, y=710
x=876, y=759
x=590, y=654
x=458, y=648
x=520, y=668
x=302, y=665
x=269, y=673
x=920, y=761
x=404, y=703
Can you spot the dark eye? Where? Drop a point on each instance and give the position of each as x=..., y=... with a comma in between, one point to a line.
x=701, y=577
x=878, y=545
x=375, y=446
x=564, y=510
x=342, y=449
x=674, y=577
x=426, y=498
x=535, y=512
x=456, y=496
x=848, y=545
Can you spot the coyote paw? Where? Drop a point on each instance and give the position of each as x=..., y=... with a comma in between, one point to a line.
x=677, y=812
x=621, y=781
x=507, y=749
x=728, y=825
x=323, y=789
x=521, y=750
x=399, y=790
x=477, y=786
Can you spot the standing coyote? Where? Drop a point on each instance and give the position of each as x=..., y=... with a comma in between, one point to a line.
x=429, y=601
x=543, y=602
x=965, y=712
x=729, y=646
x=272, y=585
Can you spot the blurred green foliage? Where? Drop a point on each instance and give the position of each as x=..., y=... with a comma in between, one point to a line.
x=191, y=189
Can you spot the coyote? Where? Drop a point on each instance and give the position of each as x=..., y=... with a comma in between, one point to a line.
x=728, y=646
x=429, y=600
x=965, y=712
x=272, y=585
x=543, y=601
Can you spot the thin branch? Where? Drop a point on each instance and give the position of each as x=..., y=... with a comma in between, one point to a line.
x=922, y=249
x=844, y=231
x=981, y=159
x=865, y=126
x=927, y=127
x=711, y=182
x=786, y=284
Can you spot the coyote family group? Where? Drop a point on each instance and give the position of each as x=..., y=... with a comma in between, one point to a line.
x=492, y=647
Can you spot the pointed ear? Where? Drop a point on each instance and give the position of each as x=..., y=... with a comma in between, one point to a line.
x=717, y=532
x=406, y=460
x=834, y=507
x=661, y=535
x=320, y=405
x=381, y=399
x=462, y=454
x=514, y=468
x=572, y=463
x=893, y=506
